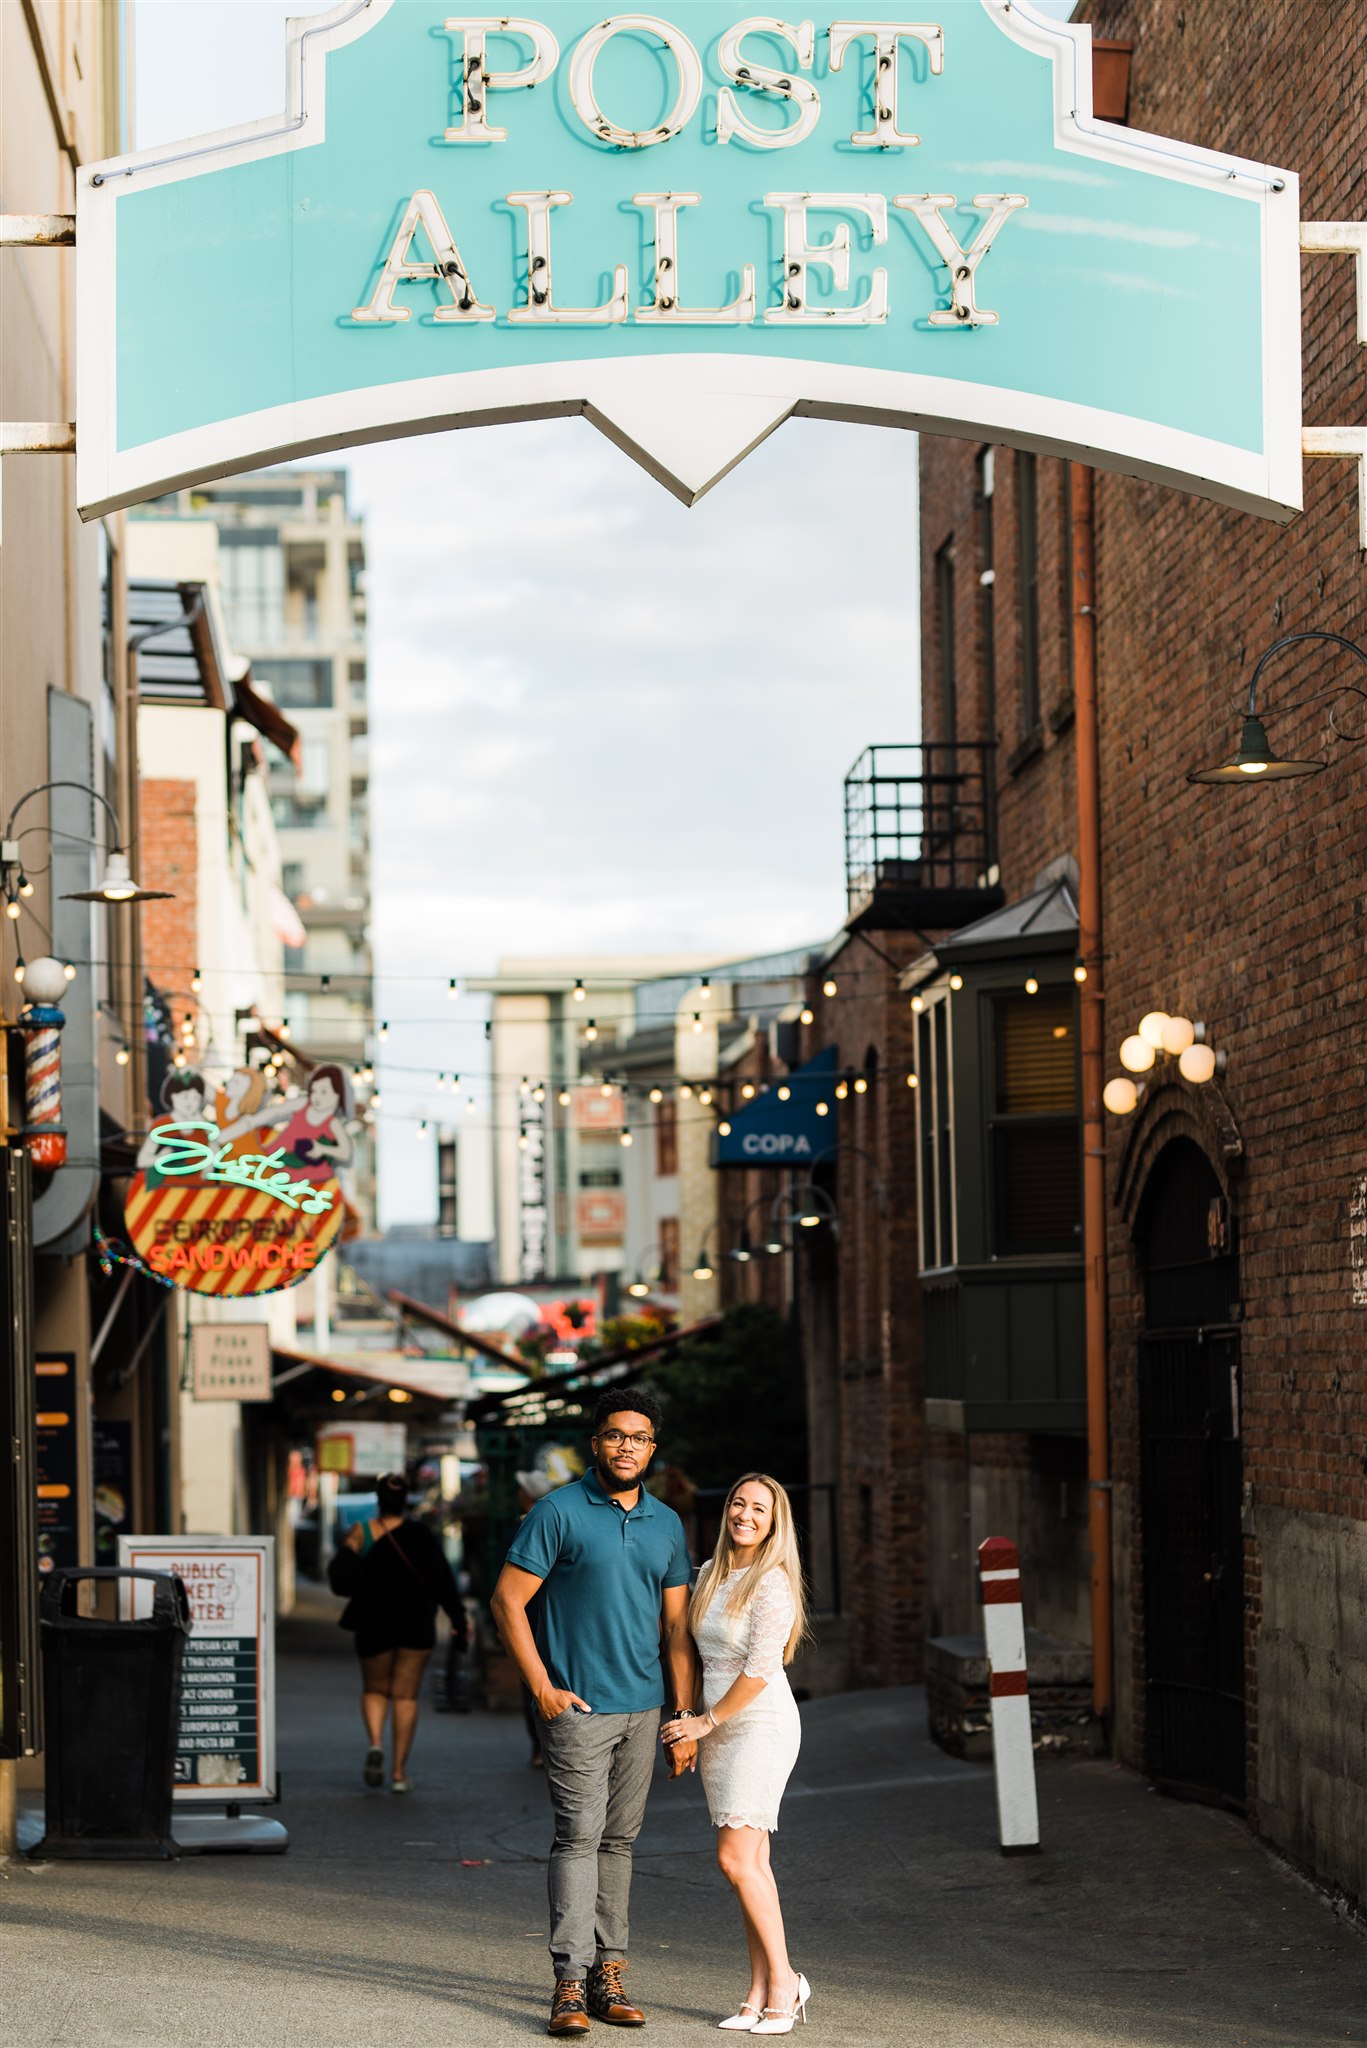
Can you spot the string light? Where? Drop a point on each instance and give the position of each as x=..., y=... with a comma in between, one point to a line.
x=25, y=885
x=685, y=1092
x=861, y=1086
x=69, y=970
x=918, y=1004
x=956, y=981
x=705, y=990
x=913, y=1081
x=747, y=1090
x=590, y=1032
x=657, y=1095
x=828, y=986
x=823, y=1109
x=375, y=1099
x=524, y=1086
x=841, y=1090
x=784, y=1092
x=121, y=1056
x=805, y=1015
x=339, y=1393
x=469, y=1105
x=1032, y=986
x=324, y=983
x=705, y=1097
x=452, y=989
x=1079, y=972
x=179, y=1059
x=605, y=1090
x=523, y=1141
x=12, y=907
x=579, y=991
x=626, y=1137
x=441, y=1081
x=383, y=1033
x=422, y=1127
x=538, y=1093
x=723, y=1129
x=284, y=1027
x=564, y=1098
x=697, y=1020
x=196, y=981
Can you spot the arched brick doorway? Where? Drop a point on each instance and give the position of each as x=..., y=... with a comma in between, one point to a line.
x=1190, y=1479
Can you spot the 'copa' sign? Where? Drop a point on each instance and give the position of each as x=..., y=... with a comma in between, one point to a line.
x=689, y=226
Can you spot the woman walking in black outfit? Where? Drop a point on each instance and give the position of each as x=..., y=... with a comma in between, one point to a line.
x=396, y=1577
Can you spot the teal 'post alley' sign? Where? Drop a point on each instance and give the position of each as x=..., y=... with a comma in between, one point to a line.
x=688, y=227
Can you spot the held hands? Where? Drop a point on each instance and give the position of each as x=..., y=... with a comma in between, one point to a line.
x=686, y=1729
x=683, y=1757
x=554, y=1702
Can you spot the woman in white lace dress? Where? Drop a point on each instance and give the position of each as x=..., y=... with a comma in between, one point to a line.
x=748, y=1616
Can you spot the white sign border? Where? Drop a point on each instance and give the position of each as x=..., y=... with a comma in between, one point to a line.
x=133, y=1549
x=689, y=419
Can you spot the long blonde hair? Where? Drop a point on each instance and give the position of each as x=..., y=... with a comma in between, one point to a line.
x=777, y=1551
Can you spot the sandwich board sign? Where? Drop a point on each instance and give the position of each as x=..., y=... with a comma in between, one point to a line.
x=225, y=1750
x=688, y=227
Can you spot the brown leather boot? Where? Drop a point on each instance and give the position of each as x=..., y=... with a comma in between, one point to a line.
x=608, y=2001
x=569, y=2012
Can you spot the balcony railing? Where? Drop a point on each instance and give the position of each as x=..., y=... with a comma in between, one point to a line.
x=920, y=839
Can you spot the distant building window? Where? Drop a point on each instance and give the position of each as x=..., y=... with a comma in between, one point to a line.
x=947, y=710
x=1027, y=532
x=601, y=1177
x=297, y=685
x=1034, y=1134
x=228, y=494
x=292, y=879
x=253, y=567
x=317, y=765
x=667, y=1239
x=293, y=816
x=666, y=1138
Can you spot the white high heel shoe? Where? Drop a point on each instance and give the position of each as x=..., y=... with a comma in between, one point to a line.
x=780, y=2019
x=743, y=2021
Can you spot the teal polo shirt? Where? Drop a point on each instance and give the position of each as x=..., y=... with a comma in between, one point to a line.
x=603, y=1572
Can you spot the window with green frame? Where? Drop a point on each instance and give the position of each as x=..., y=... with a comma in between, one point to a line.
x=1034, y=1135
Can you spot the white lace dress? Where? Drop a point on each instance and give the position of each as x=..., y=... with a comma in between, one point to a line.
x=746, y=1763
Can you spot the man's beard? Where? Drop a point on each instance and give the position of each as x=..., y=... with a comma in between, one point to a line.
x=610, y=1482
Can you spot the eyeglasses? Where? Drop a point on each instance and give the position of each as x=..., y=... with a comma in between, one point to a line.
x=613, y=1437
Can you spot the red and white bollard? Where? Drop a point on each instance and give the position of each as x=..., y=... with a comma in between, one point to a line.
x=1013, y=1752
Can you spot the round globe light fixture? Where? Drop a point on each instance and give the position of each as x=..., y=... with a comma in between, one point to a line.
x=1178, y=1034
x=1197, y=1063
x=1137, y=1055
x=1151, y=1028
x=1120, y=1096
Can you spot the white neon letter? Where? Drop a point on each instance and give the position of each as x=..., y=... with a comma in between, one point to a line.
x=668, y=291
x=799, y=253
x=538, y=306
x=586, y=100
x=963, y=309
x=477, y=81
x=887, y=35
x=763, y=78
x=446, y=268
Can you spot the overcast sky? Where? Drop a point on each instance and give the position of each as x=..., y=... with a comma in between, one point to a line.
x=600, y=722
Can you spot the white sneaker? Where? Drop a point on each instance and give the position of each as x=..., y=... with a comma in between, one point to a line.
x=780, y=2019
x=742, y=2022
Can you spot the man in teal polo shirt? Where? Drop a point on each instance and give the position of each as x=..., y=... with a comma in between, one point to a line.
x=611, y=1568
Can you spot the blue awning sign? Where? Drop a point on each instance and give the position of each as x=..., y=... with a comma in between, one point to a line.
x=771, y=1132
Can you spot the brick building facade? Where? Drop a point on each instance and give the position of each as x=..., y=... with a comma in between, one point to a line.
x=1231, y=1207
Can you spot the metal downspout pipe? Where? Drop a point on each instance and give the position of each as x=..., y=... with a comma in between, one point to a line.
x=1092, y=1034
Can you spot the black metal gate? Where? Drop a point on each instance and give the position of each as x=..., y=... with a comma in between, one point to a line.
x=1191, y=1479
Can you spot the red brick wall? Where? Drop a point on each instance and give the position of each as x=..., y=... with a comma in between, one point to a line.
x=1241, y=907
x=168, y=859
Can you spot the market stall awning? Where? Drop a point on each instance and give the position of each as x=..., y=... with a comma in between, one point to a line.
x=429, y=1379
x=612, y=1369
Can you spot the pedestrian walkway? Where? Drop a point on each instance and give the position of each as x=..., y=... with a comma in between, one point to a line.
x=421, y=1922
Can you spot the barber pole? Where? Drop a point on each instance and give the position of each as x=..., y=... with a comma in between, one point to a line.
x=1013, y=1753
x=41, y=1022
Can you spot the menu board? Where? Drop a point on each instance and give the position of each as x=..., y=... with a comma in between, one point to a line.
x=226, y=1745
x=57, y=1461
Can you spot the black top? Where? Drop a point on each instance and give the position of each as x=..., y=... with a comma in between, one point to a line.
x=394, y=1588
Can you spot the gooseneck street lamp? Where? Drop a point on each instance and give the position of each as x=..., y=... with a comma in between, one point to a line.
x=1255, y=760
x=117, y=885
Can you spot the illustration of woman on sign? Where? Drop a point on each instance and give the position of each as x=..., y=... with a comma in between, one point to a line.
x=315, y=1134
x=184, y=1100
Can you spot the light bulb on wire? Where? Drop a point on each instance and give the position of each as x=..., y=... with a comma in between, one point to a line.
x=383, y=1033
x=452, y=989
x=747, y=1089
x=25, y=886
x=579, y=991
x=828, y=986
x=626, y=1137
x=657, y=1095
x=805, y=1016
x=705, y=989
x=590, y=1032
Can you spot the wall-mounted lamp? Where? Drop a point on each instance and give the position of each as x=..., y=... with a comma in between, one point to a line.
x=1254, y=760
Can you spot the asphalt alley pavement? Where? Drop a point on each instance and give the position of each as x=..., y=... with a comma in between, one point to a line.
x=420, y=1922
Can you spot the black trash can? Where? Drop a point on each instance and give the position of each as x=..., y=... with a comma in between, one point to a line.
x=111, y=1695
